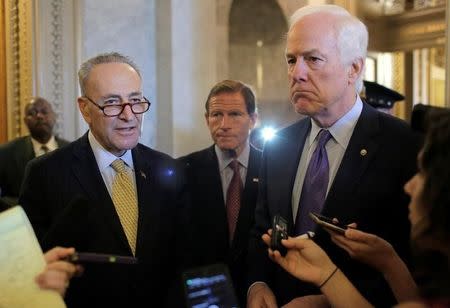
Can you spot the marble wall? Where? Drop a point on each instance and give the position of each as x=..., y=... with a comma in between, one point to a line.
x=183, y=47
x=129, y=28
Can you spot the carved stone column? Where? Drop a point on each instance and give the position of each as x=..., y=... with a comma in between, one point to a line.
x=19, y=68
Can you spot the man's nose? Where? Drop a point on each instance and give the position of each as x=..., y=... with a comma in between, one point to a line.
x=299, y=71
x=127, y=113
x=40, y=114
x=225, y=123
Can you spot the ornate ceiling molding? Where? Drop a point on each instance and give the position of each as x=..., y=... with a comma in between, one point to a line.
x=408, y=31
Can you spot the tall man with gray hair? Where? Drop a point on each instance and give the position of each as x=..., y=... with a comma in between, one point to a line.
x=344, y=160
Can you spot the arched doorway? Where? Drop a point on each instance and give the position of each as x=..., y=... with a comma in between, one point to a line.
x=256, y=56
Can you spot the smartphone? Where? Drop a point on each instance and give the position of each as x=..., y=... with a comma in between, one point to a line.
x=209, y=286
x=279, y=232
x=90, y=257
x=328, y=223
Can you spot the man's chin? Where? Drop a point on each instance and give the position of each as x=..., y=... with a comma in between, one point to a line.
x=300, y=109
x=41, y=134
x=226, y=146
x=125, y=145
x=304, y=107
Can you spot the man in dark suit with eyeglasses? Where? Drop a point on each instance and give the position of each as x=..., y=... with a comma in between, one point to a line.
x=107, y=193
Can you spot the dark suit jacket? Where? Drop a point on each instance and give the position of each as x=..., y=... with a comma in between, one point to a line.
x=209, y=225
x=68, y=204
x=14, y=156
x=367, y=189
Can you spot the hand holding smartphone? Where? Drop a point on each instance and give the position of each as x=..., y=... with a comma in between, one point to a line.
x=279, y=232
x=328, y=223
x=91, y=257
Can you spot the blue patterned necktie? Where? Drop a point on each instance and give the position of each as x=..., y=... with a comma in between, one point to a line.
x=314, y=186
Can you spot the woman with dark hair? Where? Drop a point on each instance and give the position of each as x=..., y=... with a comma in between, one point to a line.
x=429, y=213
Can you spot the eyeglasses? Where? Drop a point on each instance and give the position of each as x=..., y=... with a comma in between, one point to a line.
x=113, y=107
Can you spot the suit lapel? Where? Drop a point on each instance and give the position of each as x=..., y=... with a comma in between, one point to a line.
x=286, y=160
x=360, y=151
x=209, y=174
x=147, y=196
x=86, y=170
x=25, y=155
x=28, y=153
x=248, y=202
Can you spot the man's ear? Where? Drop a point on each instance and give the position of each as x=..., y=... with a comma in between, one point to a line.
x=207, y=118
x=355, y=70
x=84, y=109
x=253, y=119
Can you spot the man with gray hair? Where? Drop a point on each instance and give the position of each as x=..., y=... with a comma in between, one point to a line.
x=107, y=193
x=345, y=160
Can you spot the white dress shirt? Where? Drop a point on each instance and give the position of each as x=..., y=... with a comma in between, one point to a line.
x=226, y=172
x=341, y=132
x=104, y=160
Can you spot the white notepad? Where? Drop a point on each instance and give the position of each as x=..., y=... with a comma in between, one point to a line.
x=21, y=259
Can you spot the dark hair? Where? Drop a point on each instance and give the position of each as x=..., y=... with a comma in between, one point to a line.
x=422, y=114
x=37, y=99
x=233, y=86
x=432, y=239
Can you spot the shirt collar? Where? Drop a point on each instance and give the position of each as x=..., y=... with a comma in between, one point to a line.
x=51, y=144
x=104, y=158
x=225, y=159
x=343, y=128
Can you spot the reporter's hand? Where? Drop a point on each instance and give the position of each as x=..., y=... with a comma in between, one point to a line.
x=304, y=259
x=366, y=247
x=308, y=301
x=260, y=296
x=57, y=273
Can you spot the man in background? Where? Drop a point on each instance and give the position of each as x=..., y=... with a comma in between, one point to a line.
x=14, y=155
x=380, y=97
x=345, y=160
x=222, y=216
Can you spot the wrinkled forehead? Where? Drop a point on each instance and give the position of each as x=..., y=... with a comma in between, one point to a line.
x=317, y=25
x=39, y=104
x=227, y=101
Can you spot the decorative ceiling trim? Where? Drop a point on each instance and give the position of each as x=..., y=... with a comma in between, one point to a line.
x=408, y=31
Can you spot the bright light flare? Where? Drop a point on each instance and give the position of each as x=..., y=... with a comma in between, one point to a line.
x=268, y=133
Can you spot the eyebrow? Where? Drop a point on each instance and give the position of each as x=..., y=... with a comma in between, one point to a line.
x=306, y=52
x=119, y=96
x=213, y=100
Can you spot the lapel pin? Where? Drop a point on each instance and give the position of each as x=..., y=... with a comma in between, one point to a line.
x=363, y=152
x=256, y=180
x=143, y=174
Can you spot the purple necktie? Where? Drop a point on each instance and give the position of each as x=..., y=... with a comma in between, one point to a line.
x=233, y=203
x=314, y=186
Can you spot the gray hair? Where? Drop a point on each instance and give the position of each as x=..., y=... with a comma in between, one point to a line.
x=110, y=57
x=351, y=34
